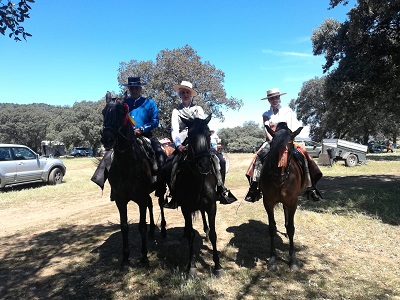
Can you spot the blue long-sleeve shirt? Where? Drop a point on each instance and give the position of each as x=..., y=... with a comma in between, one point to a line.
x=144, y=112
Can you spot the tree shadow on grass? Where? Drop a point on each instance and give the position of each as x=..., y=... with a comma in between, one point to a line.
x=373, y=195
x=49, y=265
x=384, y=157
x=83, y=262
x=253, y=244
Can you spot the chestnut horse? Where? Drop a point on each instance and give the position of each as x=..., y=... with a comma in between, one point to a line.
x=281, y=181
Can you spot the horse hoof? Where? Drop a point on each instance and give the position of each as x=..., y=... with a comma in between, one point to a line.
x=294, y=267
x=193, y=271
x=219, y=272
x=272, y=265
x=273, y=268
x=164, y=233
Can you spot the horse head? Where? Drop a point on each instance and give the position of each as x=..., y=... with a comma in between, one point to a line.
x=281, y=147
x=199, y=143
x=114, y=114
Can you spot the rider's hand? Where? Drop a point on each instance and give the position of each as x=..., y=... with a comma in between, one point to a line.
x=137, y=131
x=181, y=148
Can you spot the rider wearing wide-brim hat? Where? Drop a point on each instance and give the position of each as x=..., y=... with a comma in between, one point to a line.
x=272, y=117
x=188, y=110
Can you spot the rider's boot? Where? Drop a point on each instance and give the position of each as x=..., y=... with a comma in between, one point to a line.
x=311, y=191
x=101, y=174
x=254, y=193
x=174, y=202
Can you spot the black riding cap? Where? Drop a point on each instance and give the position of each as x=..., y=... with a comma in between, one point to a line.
x=134, y=81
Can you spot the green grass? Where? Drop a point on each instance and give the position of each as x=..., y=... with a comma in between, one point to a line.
x=347, y=243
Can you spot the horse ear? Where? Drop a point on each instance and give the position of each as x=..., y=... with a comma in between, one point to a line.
x=108, y=97
x=185, y=121
x=270, y=131
x=208, y=118
x=296, y=132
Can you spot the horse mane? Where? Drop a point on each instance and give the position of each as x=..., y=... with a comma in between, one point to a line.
x=281, y=138
x=197, y=126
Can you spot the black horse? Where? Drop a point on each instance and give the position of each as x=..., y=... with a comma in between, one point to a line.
x=281, y=181
x=196, y=185
x=130, y=174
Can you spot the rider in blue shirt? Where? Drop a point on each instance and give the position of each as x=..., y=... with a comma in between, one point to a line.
x=144, y=112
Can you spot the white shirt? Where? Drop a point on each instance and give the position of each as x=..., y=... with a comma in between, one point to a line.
x=178, y=128
x=285, y=114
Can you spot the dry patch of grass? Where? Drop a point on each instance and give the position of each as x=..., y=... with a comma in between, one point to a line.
x=63, y=242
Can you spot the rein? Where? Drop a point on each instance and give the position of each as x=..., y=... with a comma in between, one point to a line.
x=284, y=174
x=195, y=156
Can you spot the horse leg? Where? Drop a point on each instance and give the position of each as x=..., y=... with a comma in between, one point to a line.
x=123, y=217
x=205, y=225
x=143, y=231
x=218, y=271
x=289, y=224
x=163, y=222
x=189, y=233
x=272, y=262
x=151, y=215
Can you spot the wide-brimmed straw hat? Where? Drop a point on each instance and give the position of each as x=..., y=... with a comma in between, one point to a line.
x=187, y=86
x=134, y=81
x=272, y=93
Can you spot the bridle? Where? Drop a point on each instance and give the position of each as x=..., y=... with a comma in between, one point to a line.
x=111, y=123
x=194, y=157
x=283, y=175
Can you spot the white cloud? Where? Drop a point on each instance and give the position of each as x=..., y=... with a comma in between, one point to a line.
x=286, y=53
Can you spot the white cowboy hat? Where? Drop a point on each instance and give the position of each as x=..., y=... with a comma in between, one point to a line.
x=187, y=86
x=272, y=93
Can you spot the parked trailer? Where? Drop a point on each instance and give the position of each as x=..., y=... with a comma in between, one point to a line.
x=337, y=149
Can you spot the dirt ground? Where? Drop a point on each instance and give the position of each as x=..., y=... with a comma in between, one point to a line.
x=31, y=217
x=26, y=227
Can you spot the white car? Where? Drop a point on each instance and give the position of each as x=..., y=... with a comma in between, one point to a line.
x=21, y=165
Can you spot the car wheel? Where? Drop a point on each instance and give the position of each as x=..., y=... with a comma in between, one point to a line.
x=351, y=160
x=56, y=176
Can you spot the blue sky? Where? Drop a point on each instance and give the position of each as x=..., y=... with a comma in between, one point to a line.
x=76, y=47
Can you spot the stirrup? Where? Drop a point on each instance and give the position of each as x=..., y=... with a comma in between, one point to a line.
x=226, y=197
x=253, y=196
x=173, y=204
x=313, y=194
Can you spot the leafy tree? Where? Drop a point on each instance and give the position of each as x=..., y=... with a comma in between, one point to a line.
x=30, y=124
x=363, y=57
x=170, y=68
x=11, y=15
x=246, y=138
x=24, y=124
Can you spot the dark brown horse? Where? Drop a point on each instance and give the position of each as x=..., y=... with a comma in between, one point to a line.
x=281, y=181
x=130, y=174
x=196, y=186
